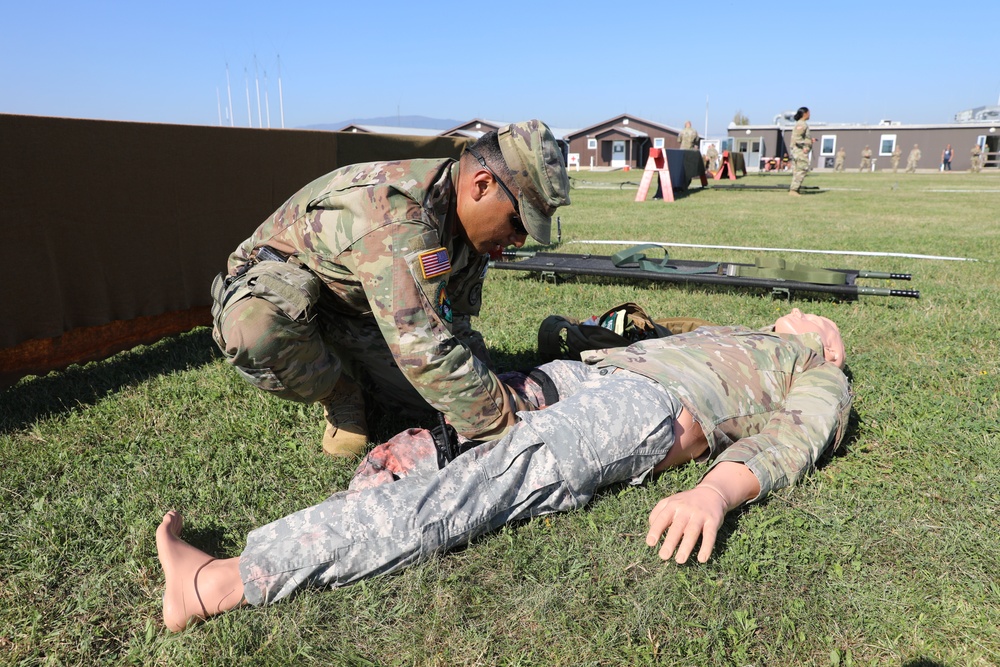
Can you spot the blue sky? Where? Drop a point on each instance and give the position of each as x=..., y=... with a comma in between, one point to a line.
x=572, y=64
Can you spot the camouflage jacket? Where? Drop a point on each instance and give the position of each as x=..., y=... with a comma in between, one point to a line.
x=688, y=138
x=801, y=139
x=383, y=237
x=766, y=400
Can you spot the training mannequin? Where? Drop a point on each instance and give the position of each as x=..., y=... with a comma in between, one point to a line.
x=761, y=406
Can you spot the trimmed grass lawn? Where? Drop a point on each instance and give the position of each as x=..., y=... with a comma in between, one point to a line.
x=887, y=555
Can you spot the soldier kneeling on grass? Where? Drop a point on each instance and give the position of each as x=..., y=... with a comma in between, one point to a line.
x=370, y=275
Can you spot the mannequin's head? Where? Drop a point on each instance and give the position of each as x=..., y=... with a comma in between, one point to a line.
x=797, y=322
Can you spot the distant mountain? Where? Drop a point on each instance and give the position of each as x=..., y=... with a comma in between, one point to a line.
x=391, y=121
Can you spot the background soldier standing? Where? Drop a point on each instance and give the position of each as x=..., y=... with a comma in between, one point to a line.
x=712, y=156
x=866, y=159
x=896, y=154
x=976, y=164
x=912, y=159
x=838, y=164
x=801, y=146
x=688, y=137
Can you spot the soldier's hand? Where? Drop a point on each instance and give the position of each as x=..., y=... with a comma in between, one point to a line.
x=686, y=517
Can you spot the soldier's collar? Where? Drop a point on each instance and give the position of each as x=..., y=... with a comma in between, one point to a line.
x=810, y=339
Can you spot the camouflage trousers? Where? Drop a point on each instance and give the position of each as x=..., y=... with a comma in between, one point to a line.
x=616, y=428
x=277, y=326
x=800, y=162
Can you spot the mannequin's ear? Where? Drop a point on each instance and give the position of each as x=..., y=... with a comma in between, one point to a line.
x=833, y=355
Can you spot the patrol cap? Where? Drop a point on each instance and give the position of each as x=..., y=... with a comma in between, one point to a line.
x=534, y=156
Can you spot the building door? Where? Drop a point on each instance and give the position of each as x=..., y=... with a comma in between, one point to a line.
x=992, y=149
x=752, y=149
x=618, y=154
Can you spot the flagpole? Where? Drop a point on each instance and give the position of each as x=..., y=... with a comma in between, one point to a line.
x=229, y=95
x=246, y=80
x=267, y=101
x=281, y=100
x=256, y=81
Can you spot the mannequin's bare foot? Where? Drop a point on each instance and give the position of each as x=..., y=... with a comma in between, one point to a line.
x=198, y=586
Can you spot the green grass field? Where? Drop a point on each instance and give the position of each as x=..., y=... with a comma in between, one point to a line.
x=888, y=555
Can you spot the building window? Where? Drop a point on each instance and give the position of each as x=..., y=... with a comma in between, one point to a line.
x=887, y=144
x=657, y=142
x=592, y=144
x=828, y=144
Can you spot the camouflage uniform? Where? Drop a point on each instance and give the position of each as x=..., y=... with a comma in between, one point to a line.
x=378, y=285
x=801, y=146
x=688, y=138
x=713, y=157
x=976, y=164
x=866, y=160
x=838, y=163
x=765, y=400
x=911, y=160
x=896, y=154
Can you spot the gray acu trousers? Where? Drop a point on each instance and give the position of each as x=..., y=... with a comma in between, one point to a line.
x=616, y=427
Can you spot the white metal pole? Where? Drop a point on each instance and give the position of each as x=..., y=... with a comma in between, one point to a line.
x=706, y=117
x=246, y=80
x=256, y=81
x=229, y=95
x=281, y=100
x=267, y=102
x=818, y=252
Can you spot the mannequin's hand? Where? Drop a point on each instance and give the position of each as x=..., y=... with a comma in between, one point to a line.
x=685, y=517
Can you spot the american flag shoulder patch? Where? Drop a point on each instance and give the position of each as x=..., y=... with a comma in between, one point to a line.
x=434, y=263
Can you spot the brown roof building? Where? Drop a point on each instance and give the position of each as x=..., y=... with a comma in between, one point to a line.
x=759, y=143
x=619, y=142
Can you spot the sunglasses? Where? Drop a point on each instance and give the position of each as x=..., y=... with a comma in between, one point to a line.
x=515, y=220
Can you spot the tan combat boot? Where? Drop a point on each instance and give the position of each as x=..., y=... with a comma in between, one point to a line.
x=679, y=325
x=346, y=432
